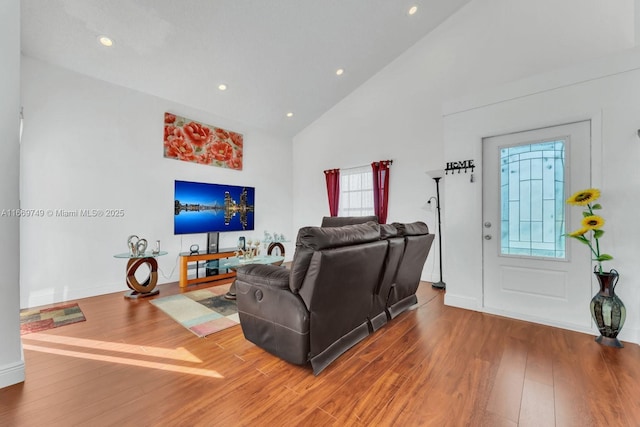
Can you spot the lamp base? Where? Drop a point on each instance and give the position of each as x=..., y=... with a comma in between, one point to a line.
x=439, y=285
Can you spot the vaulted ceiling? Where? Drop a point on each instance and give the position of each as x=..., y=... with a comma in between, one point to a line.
x=275, y=57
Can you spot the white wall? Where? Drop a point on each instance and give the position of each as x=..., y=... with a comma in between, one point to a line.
x=398, y=113
x=89, y=144
x=604, y=91
x=11, y=361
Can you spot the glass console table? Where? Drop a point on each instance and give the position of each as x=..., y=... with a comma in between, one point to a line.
x=147, y=287
x=235, y=262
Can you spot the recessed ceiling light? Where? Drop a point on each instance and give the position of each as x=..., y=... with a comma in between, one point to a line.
x=289, y=114
x=413, y=10
x=339, y=71
x=222, y=86
x=105, y=41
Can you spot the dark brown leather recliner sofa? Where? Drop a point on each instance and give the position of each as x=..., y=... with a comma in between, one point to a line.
x=345, y=282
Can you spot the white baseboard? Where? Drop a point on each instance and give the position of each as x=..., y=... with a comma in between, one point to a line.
x=627, y=334
x=557, y=324
x=55, y=296
x=11, y=374
x=462, y=302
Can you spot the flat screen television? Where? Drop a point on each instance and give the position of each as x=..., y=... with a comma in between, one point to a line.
x=204, y=208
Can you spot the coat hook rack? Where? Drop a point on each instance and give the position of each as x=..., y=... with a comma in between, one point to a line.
x=458, y=166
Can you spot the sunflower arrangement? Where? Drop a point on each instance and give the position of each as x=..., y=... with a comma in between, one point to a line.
x=590, y=223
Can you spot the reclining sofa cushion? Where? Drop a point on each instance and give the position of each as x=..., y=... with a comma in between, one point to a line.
x=339, y=221
x=417, y=228
x=270, y=315
x=311, y=239
x=388, y=231
x=327, y=273
x=338, y=292
x=417, y=244
x=395, y=250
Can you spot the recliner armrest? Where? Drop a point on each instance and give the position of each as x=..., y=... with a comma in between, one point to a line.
x=267, y=275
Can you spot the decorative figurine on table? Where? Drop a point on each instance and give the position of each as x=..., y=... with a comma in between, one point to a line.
x=132, y=242
x=141, y=246
x=251, y=251
x=267, y=237
x=273, y=238
x=137, y=246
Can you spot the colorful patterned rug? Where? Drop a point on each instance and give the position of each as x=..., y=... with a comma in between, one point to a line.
x=41, y=319
x=203, y=312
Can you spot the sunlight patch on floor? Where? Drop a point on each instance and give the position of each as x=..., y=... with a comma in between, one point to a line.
x=125, y=361
x=179, y=353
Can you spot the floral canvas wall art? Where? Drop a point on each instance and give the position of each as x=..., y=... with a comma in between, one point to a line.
x=191, y=141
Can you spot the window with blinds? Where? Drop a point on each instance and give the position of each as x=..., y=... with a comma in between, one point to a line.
x=356, y=192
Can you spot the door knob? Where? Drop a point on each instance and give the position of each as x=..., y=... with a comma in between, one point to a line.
x=487, y=224
x=487, y=237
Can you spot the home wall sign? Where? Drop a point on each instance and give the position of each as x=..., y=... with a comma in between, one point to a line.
x=195, y=142
x=458, y=166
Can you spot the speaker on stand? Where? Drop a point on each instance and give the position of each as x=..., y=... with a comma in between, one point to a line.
x=211, y=267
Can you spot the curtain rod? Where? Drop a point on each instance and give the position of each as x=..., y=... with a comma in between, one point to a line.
x=364, y=166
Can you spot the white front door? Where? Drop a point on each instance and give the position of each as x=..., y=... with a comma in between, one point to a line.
x=531, y=270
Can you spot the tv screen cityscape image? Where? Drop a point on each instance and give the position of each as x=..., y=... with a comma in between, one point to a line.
x=202, y=208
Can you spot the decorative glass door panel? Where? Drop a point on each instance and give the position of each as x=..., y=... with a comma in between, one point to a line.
x=532, y=199
x=531, y=270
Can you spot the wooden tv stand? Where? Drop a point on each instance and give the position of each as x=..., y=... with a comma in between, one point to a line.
x=187, y=257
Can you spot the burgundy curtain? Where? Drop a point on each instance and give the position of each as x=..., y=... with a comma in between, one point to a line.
x=333, y=189
x=381, y=189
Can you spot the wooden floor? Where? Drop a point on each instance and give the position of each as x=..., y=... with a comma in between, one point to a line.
x=130, y=364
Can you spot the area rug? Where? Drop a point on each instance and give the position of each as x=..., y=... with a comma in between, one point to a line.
x=41, y=319
x=203, y=312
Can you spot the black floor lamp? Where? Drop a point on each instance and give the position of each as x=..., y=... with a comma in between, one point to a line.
x=437, y=176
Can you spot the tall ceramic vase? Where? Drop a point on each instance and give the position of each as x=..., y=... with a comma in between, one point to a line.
x=607, y=309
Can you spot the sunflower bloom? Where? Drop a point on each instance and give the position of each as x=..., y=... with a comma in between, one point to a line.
x=579, y=232
x=584, y=197
x=592, y=222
